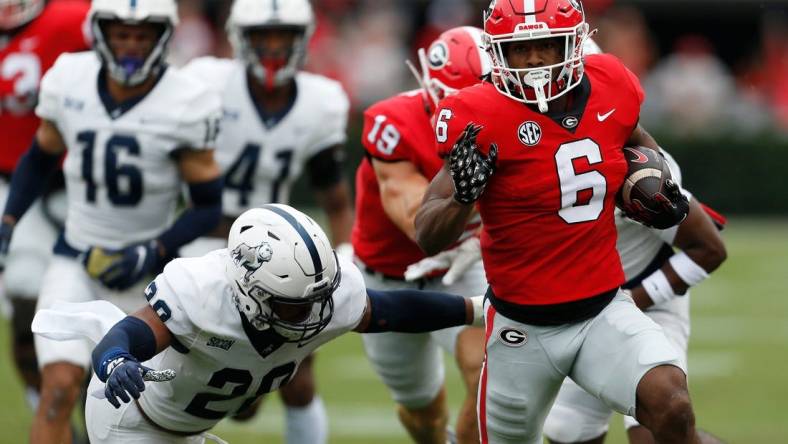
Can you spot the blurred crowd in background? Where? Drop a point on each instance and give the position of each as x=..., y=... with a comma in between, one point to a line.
x=706, y=68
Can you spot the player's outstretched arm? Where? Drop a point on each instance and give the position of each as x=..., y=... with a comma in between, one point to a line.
x=116, y=359
x=415, y=311
x=702, y=252
x=29, y=180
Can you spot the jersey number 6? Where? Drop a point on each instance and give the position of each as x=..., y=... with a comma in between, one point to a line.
x=576, y=205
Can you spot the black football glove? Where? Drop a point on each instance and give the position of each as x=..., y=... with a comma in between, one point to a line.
x=470, y=170
x=5, y=243
x=673, y=208
x=121, y=269
x=124, y=376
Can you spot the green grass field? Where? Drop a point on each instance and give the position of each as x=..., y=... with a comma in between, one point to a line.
x=738, y=361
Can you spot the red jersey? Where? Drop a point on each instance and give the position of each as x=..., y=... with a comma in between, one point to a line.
x=395, y=129
x=548, y=233
x=60, y=28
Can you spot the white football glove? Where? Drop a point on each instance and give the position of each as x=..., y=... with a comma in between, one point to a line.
x=457, y=260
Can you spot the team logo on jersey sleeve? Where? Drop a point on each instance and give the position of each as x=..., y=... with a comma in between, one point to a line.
x=529, y=133
x=513, y=337
x=252, y=258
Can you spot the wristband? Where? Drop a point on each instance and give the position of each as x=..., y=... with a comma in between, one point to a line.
x=658, y=287
x=689, y=272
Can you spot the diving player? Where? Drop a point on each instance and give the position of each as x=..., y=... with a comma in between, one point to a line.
x=279, y=122
x=236, y=323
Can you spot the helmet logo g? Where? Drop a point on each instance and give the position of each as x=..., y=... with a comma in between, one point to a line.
x=438, y=55
x=251, y=258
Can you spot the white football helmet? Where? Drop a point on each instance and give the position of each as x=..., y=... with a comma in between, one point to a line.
x=278, y=254
x=282, y=14
x=160, y=12
x=15, y=13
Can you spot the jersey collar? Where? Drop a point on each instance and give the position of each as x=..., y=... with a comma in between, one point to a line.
x=270, y=120
x=264, y=342
x=577, y=106
x=117, y=109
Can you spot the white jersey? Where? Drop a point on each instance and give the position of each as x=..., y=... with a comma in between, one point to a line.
x=261, y=159
x=220, y=370
x=638, y=245
x=121, y=177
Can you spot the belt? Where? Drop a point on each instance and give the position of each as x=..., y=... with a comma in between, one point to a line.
x=163, y=429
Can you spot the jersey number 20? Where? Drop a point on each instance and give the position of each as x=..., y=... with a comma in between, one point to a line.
x=242, y=379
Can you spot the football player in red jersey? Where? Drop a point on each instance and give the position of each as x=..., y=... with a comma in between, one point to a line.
x=390, y=183
x=544, y=166
x=32, y=36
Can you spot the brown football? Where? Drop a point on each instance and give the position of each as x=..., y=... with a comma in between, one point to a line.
x=647, y=172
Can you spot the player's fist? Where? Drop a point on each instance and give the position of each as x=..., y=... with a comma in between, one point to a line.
x=120, y=269
x=124, y=380
x=5, y=243
x=470, y=170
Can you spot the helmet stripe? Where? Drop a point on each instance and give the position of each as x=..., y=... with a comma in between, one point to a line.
x=133, y=4
x=529, y=8
x=310, y=244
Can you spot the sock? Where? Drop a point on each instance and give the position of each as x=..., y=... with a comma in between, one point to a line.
x=307, y=425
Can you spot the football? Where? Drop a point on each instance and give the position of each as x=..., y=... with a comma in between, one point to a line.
x=648, y=189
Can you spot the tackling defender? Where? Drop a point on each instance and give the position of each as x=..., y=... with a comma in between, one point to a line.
x=399, y=161
x=278, y=123
x=32, y=35
x=548, y=236
x=133, y=131
x=237, y=322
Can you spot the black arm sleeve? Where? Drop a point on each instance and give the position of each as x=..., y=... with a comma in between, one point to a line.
x=29, y=179
x=325, y=168
x=414, y=311
x=131, y=338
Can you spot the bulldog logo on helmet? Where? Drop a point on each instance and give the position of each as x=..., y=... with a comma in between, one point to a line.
x=252, y=258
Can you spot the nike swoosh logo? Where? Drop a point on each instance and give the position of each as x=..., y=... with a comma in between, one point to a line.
x=639, y=157
x=603, y=117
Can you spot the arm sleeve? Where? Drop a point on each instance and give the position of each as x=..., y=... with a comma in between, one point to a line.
x=414, y=311
x=325, y=167
x=201, y=217
x=129, y=338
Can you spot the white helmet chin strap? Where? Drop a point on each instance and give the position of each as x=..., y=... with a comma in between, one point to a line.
x=538, y=79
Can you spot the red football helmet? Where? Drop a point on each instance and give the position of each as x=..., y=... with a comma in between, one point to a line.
x=508, y=21
x=15, y=13
x=455, y=60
